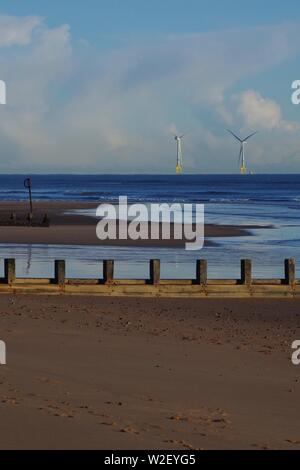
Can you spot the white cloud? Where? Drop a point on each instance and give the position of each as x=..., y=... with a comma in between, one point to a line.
x=262, y=113
x=17, y=31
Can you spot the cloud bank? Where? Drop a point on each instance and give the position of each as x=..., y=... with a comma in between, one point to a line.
x=262, y=113
x=73, y=107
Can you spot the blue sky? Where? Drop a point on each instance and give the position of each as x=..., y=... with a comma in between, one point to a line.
x=94, y=18
x=101, y=85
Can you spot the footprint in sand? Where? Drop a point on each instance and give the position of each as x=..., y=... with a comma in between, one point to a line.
x=55, y=410
x=292, y=441
x=129, y=430
x=63, y=414
x=10, y=401
x=109, y=423
x=183, y=444
x=213, y=418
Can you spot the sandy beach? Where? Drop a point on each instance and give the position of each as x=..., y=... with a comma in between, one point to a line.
x=69, y=228
x=143, y=373
x=148, y=373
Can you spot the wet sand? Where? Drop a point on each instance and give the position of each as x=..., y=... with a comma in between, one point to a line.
x=75, y=229
x=148, y=373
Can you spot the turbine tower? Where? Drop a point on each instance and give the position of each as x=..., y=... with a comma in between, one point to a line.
x=179, y=162
x=241, y=160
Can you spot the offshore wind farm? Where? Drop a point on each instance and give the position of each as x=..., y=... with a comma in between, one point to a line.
x=243, y=142
x=241, y=158
x=179, y=153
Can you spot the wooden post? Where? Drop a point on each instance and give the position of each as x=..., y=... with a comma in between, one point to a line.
x=108, y=271
x=290, y=270
x=246, y=271
x=154, y=271
x=201, y=271
x=28, y=185
x=10, y=270
x=60, y=272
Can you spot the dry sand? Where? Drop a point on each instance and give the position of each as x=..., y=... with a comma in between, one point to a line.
x=148, y=373
x=74, y=229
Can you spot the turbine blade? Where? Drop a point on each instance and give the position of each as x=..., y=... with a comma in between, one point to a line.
x=184, y=135
x=249, y=136
x=234, y=135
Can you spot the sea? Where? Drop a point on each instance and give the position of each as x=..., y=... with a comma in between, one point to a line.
x=269, y=204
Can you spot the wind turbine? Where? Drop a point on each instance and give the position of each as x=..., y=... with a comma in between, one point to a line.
x=241, y=159
x=179, y=162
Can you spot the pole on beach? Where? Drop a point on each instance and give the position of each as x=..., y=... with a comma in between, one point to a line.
x=9, y=271
x=28, y=185
x=290, y=271
x=246, y=271
x=60, y=272
x=201, y=271
x=108, y=271
x=154, y=271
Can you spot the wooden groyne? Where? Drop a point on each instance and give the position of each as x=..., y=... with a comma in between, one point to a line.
x=200, y=286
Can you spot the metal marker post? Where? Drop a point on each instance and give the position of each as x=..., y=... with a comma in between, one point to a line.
x=27, y=185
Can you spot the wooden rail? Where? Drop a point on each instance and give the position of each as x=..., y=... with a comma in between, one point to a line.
x=200, y=286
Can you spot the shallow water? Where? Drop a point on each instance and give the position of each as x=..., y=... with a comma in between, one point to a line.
x=256, y=200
